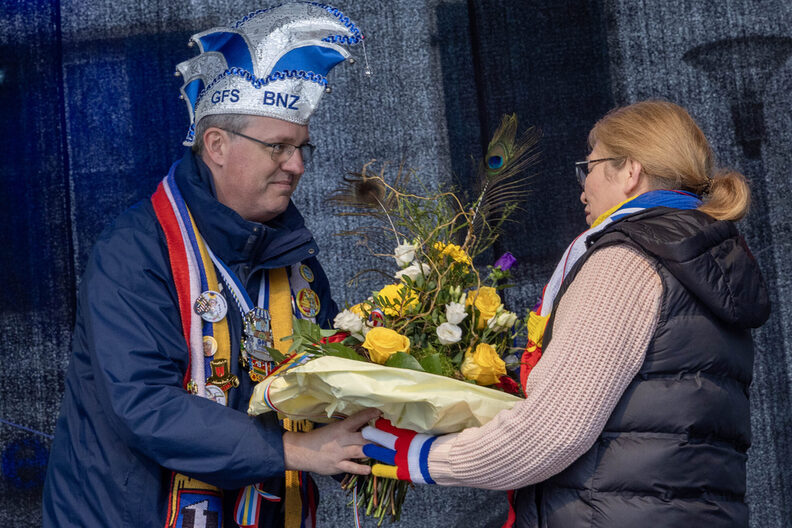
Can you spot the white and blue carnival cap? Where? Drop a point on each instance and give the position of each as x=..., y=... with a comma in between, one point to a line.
x=274, y=63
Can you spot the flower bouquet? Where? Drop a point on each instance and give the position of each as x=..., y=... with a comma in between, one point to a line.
x=428, y=348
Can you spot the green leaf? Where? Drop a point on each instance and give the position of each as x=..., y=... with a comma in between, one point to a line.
x=296, y=345
x=327, y=333
x=403, y=360
x=350, y=341
x=433, y=363
x=458, y=358
x=277, y=357
x=306, y=328
x=339, y=350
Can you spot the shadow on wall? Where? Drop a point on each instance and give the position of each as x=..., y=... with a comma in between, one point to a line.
x=741, y=68
x=551, y=68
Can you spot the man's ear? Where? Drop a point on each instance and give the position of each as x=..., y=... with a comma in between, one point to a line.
x=636, y=180
x=216, y=145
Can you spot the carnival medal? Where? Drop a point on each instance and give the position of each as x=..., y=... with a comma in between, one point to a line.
x=221, y=381
x=256, y=340
x=306, y=273
x=209, y=346
x=308, y=302
x=211, y=306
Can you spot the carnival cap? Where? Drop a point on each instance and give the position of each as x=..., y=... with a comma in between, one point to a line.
x=274, y=63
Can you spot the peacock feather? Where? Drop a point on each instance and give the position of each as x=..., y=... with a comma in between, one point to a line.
x=399, y=216
x=502, y=182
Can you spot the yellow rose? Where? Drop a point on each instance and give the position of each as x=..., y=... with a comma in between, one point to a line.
x=394, y=293
x=361, y=309
x=483, y=366
x=455, y=252
x=383, y=342
x=487, y=301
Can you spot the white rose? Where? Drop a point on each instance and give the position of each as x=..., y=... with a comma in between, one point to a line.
x=414, y=271
x=404, y=254
x=455, y=312
x=448, y=334
x=348, y=322
x=502, y=321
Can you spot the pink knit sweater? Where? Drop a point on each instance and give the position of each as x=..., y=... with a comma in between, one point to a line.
x=602, y=330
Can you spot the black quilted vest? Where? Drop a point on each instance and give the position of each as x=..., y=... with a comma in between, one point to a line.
x=673, y=452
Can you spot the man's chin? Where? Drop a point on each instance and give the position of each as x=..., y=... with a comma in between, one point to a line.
x=273, y=210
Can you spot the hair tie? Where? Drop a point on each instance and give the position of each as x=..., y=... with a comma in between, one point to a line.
x=707, y=186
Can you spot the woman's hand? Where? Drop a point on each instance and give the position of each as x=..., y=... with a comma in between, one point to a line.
x=404, y=454
x=330, y=449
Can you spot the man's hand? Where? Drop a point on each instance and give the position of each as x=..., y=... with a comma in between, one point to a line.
x=328, y=450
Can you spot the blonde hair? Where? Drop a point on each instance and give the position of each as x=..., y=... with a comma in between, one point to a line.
x=674, y=154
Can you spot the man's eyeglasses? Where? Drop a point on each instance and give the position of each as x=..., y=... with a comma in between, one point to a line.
x=281, y=152
x=582, y=168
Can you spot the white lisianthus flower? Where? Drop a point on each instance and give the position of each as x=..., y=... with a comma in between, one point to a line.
x=414, y=271
x=502, y=321
x=404, y=254
x=448, y=334
x=455, y=312
x=349, y=322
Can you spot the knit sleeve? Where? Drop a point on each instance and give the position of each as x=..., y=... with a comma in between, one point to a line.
x=602, y=329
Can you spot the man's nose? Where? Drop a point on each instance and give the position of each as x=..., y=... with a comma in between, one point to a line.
x=294, y=164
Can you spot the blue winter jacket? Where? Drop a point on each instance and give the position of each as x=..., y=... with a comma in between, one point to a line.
x=126, y=421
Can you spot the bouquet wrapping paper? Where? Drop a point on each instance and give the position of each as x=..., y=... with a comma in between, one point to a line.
x=424, y=402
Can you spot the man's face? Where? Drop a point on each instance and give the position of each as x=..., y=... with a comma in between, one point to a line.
x=250, y=182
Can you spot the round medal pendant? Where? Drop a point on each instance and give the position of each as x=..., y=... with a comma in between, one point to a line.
x=308, y=302
x=211, y=306
x=307, y=273
x=209, y=346
x=216, y=393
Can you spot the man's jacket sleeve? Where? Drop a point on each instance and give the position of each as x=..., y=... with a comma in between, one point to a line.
x=128, y=323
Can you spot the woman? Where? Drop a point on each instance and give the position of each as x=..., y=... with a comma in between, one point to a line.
x=637, y=414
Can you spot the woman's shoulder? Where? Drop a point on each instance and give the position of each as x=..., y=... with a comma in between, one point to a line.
x=618, y=263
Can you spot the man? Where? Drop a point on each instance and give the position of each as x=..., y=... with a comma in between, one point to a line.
x=185, y=295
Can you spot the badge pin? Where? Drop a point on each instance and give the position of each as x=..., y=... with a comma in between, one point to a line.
x=308, y=302
x=307, y=273
x=221, y=378
x=211, y=306
x=217, y=394
x=209, y=346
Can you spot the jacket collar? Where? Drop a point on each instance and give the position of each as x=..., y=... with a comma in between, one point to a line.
x=280, y=242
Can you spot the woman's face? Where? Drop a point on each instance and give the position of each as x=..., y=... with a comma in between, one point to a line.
x=604, y=185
